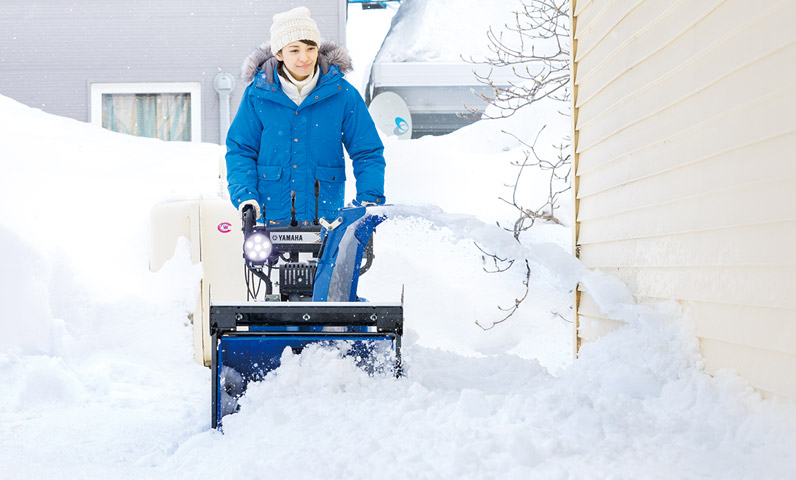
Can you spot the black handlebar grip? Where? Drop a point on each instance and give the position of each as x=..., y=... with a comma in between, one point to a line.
x=249, y=218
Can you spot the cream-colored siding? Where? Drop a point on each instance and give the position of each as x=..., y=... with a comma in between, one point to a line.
x=685, y=160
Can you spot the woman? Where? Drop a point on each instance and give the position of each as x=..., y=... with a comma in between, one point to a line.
x=293, y=121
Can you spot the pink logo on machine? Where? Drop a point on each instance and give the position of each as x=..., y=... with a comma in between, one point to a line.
x=224, y=227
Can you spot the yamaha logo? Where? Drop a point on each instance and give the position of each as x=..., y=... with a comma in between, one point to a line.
x=306, y=237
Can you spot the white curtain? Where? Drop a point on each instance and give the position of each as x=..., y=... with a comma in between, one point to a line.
x=166, y=116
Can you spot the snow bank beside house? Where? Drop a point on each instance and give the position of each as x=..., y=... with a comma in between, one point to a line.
x=83, y=194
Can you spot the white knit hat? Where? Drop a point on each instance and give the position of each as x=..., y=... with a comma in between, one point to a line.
x=292, y=26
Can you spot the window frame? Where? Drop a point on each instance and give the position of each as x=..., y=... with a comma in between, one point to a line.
x=192, y=88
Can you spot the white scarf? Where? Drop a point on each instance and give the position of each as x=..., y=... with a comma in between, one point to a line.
x=298, y=90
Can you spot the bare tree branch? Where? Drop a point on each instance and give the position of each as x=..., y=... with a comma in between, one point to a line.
x=535, y=46
x=517, y=301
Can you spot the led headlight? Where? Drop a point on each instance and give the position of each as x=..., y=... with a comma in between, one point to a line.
x=257, y=247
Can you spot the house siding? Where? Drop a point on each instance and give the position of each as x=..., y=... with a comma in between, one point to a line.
x=51, y=52
x=685, y=184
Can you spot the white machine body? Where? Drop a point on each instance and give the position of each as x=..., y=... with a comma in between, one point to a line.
x=213, y=227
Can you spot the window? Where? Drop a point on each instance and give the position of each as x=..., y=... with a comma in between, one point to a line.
x=168, y=111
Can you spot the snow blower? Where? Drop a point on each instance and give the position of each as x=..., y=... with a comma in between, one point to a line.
x=319, y=264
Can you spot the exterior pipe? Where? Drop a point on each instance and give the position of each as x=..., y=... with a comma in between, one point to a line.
x=224, y=83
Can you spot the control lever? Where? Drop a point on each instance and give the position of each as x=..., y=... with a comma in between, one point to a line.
x=317, y=194
x=293, y=221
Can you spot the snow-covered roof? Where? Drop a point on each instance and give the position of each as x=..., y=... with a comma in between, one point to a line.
x=444, y=30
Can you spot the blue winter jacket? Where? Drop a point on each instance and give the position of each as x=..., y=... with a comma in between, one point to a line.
x=275, y=147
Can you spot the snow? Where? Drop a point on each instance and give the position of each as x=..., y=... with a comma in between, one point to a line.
x=364, y=36
x=96, y=356
x=445, y=30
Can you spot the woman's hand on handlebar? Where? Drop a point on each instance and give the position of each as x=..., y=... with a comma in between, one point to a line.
x=253, y=204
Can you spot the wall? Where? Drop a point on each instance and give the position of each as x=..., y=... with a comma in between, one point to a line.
x=50, y=52
x=685, y=180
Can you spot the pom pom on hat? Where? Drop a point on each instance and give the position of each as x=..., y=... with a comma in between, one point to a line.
x=292, y=26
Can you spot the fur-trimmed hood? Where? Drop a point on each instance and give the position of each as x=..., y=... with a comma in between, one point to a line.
x=329, y=53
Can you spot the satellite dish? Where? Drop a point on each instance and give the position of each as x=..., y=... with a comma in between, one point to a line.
x=391, y=115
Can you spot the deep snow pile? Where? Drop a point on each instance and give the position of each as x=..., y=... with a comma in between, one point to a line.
x=98, y=379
